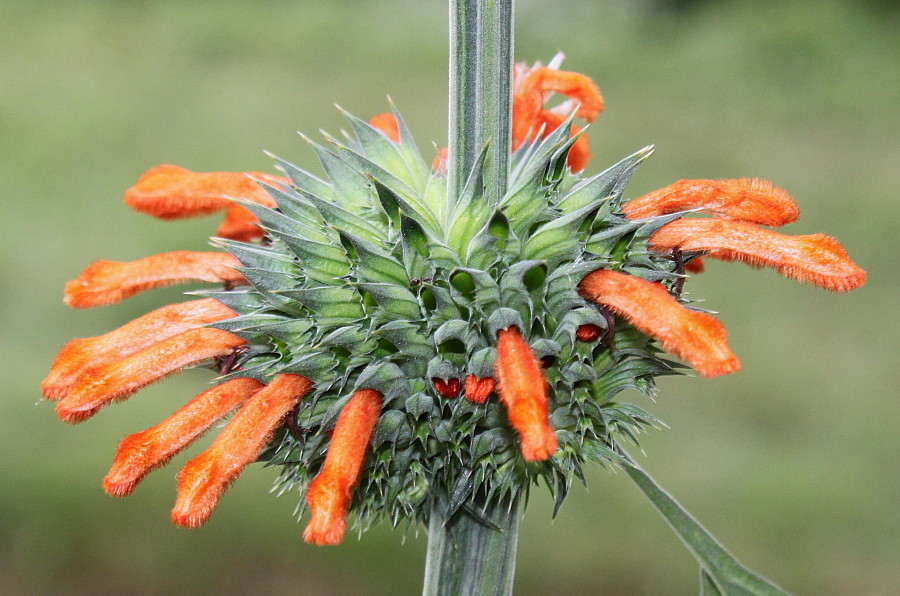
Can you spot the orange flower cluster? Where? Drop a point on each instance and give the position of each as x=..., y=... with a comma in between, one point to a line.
x=90, y=373
x=531, y=87
x=740, y=207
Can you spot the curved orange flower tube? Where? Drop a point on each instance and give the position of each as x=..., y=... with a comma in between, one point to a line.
x=202, y=480
x=171, y=192
x=330, y=492
x=143, y=451
x=523, y=392
x=106, y=282
x=99, y=385
x=529, y=115
x=815, y=259
x=744, y=199
x=696, y=337
x=141, y=333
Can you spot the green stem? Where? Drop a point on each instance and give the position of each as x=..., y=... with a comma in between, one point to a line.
x=481, y=51
x=467, y=555
x=472, y=549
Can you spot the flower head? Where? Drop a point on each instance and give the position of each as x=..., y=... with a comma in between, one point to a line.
x=382, y=342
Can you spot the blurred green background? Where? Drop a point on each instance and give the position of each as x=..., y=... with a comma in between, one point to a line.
x=792, y=462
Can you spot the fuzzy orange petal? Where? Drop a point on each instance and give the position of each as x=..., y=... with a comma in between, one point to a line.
x=202, y=480
x=141, y=333
x=106, y=282
x=696, y=337
x=523, y=392
x=99, y=385
x=171, y=192
x=141, y=452
x=330, y=492
x=744, y=199
x=478, y=390
x=387, y=123
x=574, y=85
x=694, y=266
x=239, y=224
x=815, y=259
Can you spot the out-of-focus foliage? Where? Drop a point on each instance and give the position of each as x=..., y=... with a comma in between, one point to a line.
x=792, y=462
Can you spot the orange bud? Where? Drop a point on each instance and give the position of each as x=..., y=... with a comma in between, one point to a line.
x=588, y=332
x=202, y=480
x=696, y=337
x=141, y=452
x=330, y=492
x=694, y=266
x=143, y=332
x=98, y=385
x=439, y=164
x=449, y=388
x=171, y=192
x=478, y=390
x=744, y=199
x=523, y=392
x=106, y=282
x=814, y=259
x=387, y=123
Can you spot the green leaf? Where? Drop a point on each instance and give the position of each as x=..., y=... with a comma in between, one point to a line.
x=725, y=572
x=556, y=240
x=376, y=265
x=407, y=197
x=605, y=186
x=305, y=181
x=331, y=302
x=383, y=152
x=351, y=187
x=395, y=301
x=342, y=219
x=324, y=263
x=254, y=256
x=408, y=338
x=280, y=223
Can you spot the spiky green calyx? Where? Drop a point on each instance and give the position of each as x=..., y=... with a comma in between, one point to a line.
x=374, y=278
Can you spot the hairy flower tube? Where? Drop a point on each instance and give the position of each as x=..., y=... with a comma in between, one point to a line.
x=381, y=342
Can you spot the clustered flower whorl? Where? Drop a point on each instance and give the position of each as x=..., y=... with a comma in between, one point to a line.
x=383, y=343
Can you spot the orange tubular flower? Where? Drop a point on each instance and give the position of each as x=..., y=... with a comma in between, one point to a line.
x=478, y=390
x=202, y=480
x=529, y=115
x=696, y=337
x=106, y=282
x=141, y=452
x=171, y=192
x=141, y=333
x=744, y=199
x=102, y=384
x=330, y=492
x=815, y=259
x=523, y=392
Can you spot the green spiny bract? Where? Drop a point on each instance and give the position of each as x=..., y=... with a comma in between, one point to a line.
x=374, y=279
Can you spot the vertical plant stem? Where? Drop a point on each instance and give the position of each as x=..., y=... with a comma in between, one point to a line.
x=468, y=555
x=481, y=51
x=472, y=548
